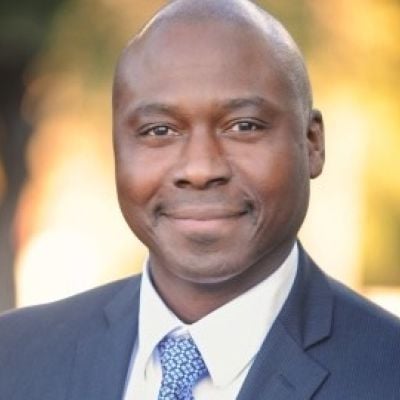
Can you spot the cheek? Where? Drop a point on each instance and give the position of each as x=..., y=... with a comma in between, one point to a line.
x=135, y=186
x=139, y=174
x=278, y=178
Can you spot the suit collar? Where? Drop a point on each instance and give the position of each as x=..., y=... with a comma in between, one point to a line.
x=125, y=304
x=283, y=370
x=307, y=314
x=105, y=346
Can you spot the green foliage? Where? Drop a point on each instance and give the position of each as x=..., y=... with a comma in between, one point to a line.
x=24, y=25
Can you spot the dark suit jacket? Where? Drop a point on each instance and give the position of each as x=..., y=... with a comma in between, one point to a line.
x=327, y=344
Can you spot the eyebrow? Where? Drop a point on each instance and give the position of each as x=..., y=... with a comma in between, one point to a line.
x=228, y=105
x=153, y=108
x=241, y=102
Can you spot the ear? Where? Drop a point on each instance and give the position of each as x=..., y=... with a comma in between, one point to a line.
x=315, y=143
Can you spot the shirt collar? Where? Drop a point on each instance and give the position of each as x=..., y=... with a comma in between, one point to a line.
x=236, y=330
x=155, y=319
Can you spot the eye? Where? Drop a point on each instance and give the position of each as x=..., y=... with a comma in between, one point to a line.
x=159, y=131
x=245, y=126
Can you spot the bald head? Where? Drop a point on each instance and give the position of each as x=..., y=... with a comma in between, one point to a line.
x=243, y=14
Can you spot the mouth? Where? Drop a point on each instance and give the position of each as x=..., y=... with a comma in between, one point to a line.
x=200, y=213
x=201, y=220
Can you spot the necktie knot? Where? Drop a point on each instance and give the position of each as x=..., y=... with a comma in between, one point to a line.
x=182, y=367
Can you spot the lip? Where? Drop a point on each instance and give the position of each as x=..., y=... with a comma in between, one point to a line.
x=204, y=213
x=204, y=220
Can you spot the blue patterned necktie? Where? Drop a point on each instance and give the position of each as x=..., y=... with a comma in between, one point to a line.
x=182, y=367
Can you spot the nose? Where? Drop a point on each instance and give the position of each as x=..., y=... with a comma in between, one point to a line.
x=202, y=164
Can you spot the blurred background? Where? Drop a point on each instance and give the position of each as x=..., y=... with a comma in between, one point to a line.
x=61, y=231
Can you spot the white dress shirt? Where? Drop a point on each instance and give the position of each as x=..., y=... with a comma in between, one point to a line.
x=228, y=338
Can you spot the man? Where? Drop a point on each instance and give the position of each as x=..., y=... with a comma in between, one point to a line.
x=215, y=142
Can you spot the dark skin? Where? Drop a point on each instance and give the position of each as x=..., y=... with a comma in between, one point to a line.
x=214, y=153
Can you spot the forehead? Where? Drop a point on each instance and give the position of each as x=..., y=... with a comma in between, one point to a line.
x=204, y=57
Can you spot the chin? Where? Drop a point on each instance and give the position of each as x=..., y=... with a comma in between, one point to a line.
x=208, y=269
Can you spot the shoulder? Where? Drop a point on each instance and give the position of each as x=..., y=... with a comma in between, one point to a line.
x=64, y=315
x=363, y=350
x=354, y=340
x=348, y=309
x=38, y=344
x=361, y=315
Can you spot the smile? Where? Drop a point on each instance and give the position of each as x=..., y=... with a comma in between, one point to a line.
x=204, y=219
x=204, y=213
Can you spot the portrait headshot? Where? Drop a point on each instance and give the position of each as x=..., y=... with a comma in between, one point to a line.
x=217, y=138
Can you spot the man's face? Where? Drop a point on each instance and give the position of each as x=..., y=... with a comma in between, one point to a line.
x=213, y=155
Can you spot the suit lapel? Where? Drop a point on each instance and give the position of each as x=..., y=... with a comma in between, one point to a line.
x=283, y=369
x=104, y=350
